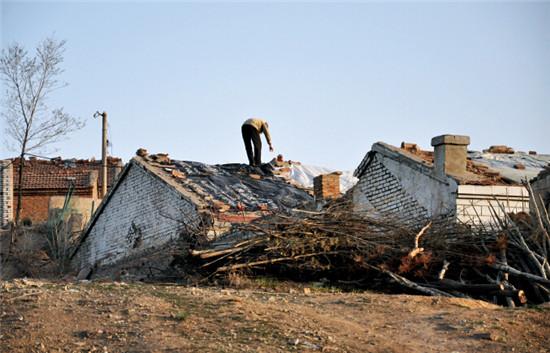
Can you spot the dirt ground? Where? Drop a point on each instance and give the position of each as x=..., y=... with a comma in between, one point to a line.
x=41, y=316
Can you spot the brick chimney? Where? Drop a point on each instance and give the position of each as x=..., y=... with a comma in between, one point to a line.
x=327, y=186
x=450, y=154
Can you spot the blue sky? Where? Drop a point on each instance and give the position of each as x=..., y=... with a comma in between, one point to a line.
x=331, y=78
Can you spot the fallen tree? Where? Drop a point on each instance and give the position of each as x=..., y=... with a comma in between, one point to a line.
x=506, y=264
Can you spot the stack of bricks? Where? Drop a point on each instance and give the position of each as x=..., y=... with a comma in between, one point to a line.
x=327, y=186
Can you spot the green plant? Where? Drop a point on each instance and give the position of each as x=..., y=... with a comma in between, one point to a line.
x=59, y=235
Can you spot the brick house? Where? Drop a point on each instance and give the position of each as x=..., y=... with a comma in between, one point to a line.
x=159, y=206
x=46, y=183
x=413, y=185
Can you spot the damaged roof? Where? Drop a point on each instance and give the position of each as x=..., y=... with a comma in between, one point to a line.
x=229, y=192
x=58, y=174
x=226, y=187
x=482, y=168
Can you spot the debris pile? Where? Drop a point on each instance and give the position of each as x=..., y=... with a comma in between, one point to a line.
x=508, y=266
x=500, y=149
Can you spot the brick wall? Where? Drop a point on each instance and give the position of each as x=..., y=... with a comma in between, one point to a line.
x=479, y=203
x=6, y=192
x=34, y=207
x=380, y=191
x=327, y=186
x=141, y=215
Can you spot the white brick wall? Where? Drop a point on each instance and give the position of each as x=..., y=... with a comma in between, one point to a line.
x=6, y=192
x=142, y=214
x=478, y=203
x=381, y=192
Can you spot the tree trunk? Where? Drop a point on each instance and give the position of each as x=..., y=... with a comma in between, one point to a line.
x=19, y=188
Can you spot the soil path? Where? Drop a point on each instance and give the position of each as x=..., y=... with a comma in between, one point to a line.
x=38, y=316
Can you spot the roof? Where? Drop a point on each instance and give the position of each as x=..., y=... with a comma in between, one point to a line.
x=506, y=164
x=227, y=187
x=229, y=191
x=482, y=168
x=57, y=174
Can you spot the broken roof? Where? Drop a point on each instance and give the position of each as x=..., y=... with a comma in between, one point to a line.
x=230, y=192
x=482, y=168
x=226, y=186
x=58, y=174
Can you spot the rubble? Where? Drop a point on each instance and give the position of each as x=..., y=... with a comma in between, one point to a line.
x=500, y=149
x=508, y=265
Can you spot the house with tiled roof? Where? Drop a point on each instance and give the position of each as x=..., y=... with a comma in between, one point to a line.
x=414, y=185
x=159, y=207
x=45, y=184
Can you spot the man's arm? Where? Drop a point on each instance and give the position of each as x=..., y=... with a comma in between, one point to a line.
x=265, y=130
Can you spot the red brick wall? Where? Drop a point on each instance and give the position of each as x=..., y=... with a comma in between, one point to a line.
x=326, y=186
x=34, y=207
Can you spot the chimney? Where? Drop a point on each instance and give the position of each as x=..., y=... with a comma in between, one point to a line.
x=450, y=154
x=326, y=186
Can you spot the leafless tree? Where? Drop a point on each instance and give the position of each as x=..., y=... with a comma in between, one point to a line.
x=29, y=81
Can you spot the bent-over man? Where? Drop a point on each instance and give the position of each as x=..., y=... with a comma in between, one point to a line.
x=251, y=130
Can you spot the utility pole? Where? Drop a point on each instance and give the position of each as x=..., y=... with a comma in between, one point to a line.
x=103, y=152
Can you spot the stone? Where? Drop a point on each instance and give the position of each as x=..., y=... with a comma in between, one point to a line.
x=142, y=152
x=84, y=273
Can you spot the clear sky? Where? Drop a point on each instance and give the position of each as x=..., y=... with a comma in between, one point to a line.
x=331, y=78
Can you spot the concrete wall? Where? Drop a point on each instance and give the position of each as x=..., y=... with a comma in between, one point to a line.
x=6, y=192
x=478, y=203
x=391, y=188
x=81, y=205
x=142, y=214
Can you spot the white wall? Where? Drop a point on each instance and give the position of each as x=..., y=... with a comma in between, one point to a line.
x=143, y=213
x=436, y=196
x=394, y=189
x=478, y=203
x=6, y=192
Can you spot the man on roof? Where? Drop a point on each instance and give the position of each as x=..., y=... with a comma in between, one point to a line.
x=251, y=130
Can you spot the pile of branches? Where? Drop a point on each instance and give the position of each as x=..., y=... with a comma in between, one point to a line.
x=506, y=264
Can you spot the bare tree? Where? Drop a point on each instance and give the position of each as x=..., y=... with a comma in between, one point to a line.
x=29, y=81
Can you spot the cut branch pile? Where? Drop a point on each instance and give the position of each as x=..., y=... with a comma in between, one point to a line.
x=507, y=264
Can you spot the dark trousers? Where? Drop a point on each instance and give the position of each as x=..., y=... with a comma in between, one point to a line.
x=251, y=135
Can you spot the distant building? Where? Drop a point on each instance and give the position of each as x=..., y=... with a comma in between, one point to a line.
x=413, y=185
x=159, y=207
x=46, y=183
